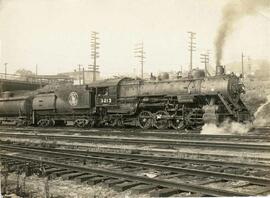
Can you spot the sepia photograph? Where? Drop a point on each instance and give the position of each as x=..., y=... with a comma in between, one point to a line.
x=134, y=98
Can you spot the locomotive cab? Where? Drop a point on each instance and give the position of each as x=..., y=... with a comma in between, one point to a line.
x=106, y=96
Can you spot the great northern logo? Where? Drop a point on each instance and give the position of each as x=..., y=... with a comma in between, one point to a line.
x=73, y=98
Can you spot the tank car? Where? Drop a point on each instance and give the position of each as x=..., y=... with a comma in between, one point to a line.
x=16, y=107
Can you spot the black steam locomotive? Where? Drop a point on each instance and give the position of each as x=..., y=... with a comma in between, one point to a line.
x=183, y=103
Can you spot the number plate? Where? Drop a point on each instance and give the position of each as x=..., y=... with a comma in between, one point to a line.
x=105, y=100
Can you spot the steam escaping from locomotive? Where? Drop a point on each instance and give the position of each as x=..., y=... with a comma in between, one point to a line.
x=232, y=13
x=226, y=128
x=262, y=114
x=261, y=119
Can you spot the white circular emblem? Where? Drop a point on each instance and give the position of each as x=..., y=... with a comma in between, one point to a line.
x=73, y=98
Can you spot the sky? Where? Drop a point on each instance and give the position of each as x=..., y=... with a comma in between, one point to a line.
x=55, y=34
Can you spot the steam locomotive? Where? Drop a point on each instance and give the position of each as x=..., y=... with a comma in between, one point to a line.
x=188, y=102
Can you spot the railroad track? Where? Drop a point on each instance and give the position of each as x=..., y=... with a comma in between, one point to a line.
x=143, y=141
x=152, y=151
x=171, y=182
x=157, y=159
x=140, y=133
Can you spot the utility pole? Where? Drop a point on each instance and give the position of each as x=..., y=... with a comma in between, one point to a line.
x=79, y=72
x=208, y=53
x=95, y=45
x=5, y=70
x=205, y=60
x=140, y=53
x=83, y=76
x=249, y=65
x=242, y=60
x=36, y=70
x=191, y=48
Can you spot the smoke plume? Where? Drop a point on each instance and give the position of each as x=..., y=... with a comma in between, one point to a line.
x=232, y=13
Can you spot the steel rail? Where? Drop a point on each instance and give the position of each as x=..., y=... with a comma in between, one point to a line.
x=142, y=179
x=147, y=157
x=157, y=158
x=166, y=142
x=146, y=134
x=162, y=152
x=254, y=180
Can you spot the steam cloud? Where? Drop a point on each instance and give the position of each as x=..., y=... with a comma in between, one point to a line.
x=261, y=119
x=226, y=128
x=262, y=114
x=232, y=13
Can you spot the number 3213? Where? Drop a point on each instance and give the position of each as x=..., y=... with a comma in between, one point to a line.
x=105, y=100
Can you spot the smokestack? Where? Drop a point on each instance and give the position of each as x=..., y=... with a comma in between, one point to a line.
x=232, y=13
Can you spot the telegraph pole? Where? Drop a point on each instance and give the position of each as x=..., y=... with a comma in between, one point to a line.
x=205, y=60
x=5, y=70
x=191, y=48
x=249, y=65
x=140, y=53
x=79, y=67
x=36, y=70
x=83, y=76
x=95, y=45
x=242, y=60
x=208, y=53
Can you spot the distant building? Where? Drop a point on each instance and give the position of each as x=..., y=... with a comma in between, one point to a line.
x=79, y=77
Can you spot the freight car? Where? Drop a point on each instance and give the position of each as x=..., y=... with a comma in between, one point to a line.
x=16, y=107
x=183, y=103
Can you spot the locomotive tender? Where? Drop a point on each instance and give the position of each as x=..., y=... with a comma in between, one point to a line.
x=182, y=103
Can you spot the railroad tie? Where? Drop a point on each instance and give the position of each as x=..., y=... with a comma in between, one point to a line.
x=125, y=185
x=209, y=181
x=190, y=194
x=60, y=173
x=143, y=188
x=53, y=170
x=84, y=178
x=165, y=192
x=96, y=180
x=71, y=175
x=173, y=175
x=112, y=182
